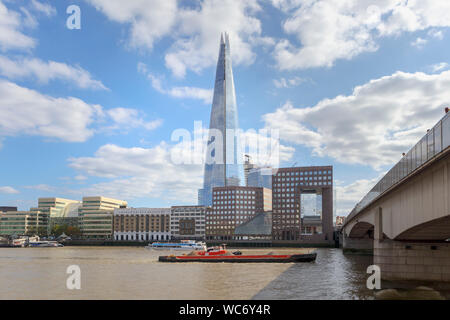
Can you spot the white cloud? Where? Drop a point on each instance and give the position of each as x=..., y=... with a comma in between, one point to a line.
x=330, y=30
x=437, y=34
x=348, y=196
x=8, y=190
x=419, y=43
x=28, y=112
x=192, y=93
x=43, y=188
x=171, y=172
x=288, y=83
x=439, y=66
x=47, y=71
x=195, y=29
x=374, y=125
x=44, y=8
x=11, y=36
x=149, y=20
x=131, y=118
x=206, y=95
x=152, y=174
x=198, y=31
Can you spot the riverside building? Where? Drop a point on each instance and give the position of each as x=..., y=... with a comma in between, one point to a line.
x=142, y=224
x=96, y=214
x=303, y=204
x=61, y=211
x=188, y=222
x=19, y=223
x=233, y=206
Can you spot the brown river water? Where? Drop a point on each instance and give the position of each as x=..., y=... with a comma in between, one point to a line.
x=135, y=273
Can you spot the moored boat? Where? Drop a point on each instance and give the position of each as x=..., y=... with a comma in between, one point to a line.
x=44, y=244
x=184, y=245
x=219, y=254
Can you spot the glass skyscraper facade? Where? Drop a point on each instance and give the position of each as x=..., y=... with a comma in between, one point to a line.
x=224, y=158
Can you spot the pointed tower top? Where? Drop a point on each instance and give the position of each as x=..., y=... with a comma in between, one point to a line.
x=222, y=38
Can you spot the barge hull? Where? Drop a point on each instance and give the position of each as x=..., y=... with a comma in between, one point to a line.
x=242, y=259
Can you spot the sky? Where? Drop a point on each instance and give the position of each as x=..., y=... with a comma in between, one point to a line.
x=91, y=108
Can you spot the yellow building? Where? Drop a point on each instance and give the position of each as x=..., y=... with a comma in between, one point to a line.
x=96, y=215
x=24, y=223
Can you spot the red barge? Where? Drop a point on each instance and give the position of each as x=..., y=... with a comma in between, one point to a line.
x=221, y=255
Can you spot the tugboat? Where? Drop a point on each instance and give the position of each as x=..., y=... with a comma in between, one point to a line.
x=220, y=254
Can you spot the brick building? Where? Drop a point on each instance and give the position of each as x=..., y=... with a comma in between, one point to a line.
x=303, y=204
x=142, y=224
x=233, y=206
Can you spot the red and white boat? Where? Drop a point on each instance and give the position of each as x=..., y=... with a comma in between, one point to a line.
x=220, y=254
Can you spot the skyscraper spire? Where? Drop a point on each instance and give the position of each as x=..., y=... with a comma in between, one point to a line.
x=224, y=163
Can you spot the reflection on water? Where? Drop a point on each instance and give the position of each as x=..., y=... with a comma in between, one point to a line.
x=134, y=273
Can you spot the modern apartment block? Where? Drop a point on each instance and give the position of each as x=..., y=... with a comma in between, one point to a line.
x=233, y=206
x=23, y=223
x=96, y=214
x=303, y=204
x=61, y=211
x=142, y=224
x=188, y=222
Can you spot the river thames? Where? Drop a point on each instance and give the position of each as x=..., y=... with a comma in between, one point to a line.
x=134, y=273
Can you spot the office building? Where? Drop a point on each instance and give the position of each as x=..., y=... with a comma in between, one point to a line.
x=96, y=214
x=7, y=209
x=303, y=204
x=61, y=211
x=188, y=222
x=142, y=224
x=20, y=223
x=233, y=206
x=224, y=158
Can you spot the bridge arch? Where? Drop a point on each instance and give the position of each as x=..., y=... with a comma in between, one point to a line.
x=435, y=230
x=361, y=229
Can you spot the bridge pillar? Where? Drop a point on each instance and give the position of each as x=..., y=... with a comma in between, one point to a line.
x=412, y=261
x=363, y=246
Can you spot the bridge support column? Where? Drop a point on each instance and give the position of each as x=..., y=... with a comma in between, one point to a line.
x=412, y=261
x=362, y=246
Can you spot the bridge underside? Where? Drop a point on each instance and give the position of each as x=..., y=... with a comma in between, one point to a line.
x=436, y=230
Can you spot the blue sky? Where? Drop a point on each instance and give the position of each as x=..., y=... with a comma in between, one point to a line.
x=91, y=111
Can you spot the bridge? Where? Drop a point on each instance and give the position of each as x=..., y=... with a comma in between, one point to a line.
x=405, y=219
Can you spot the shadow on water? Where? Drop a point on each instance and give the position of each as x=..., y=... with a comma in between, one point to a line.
x=333, y=276
x=336, y=276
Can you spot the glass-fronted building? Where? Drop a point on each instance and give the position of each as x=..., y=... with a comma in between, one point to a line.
x=224, y=159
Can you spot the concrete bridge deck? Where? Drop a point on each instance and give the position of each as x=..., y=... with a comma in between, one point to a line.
x=405, y=218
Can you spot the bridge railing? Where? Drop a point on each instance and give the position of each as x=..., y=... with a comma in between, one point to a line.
x=431, y=145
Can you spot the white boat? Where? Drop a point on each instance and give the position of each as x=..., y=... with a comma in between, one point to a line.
x=44, y=244
x=184, y=245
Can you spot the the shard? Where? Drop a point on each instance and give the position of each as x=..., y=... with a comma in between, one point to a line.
x=224, y=159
